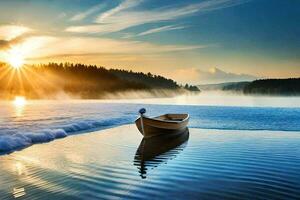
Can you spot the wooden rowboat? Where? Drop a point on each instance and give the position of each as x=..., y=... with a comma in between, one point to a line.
x=163, y=124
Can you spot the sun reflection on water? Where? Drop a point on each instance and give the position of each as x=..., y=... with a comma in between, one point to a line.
x=18, y=192
x=19, y=103
x=20, y=169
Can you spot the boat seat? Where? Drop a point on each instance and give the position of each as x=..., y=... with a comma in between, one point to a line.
x=169, y=118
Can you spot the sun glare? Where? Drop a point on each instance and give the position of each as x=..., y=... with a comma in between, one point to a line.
x=20, y=101
x=15, y=58
x=16, y=62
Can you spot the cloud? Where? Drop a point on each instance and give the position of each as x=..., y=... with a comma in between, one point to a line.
x=83, y=15
x=217, y=75
x=161, y=29
x=11, y=35
x=26, y=45
x=6, y=44
x=34, y=45
x=154, y=30
x=72, y=46
x=120, y=17
x=123, y=6
x=213, y=75
x=8, y=32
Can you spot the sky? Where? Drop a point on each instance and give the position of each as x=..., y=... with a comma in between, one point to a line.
x=194, y=41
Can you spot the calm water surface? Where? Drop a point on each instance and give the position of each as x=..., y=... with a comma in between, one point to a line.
x=237, y=148
x=117, y=164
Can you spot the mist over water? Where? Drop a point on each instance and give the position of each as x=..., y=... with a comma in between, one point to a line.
x=211, y=98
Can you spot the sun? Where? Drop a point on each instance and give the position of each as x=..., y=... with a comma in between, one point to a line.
x=15, y=57
x=16, y=62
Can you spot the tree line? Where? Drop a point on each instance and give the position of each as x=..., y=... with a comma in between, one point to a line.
x=84, y=81
x=288, y=87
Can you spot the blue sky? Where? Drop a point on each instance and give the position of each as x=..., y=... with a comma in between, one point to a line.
x=207, y=41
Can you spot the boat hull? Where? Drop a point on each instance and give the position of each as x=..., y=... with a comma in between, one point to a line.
x=154, y=127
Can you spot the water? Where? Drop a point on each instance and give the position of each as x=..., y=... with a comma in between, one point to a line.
x=237, y=148
x=202, y=164
x=43, y=121
x=216, y=98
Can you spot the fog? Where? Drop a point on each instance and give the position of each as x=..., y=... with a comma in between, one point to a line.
x=210, y=98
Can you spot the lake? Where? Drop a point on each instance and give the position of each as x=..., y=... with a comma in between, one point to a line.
x=237, y=145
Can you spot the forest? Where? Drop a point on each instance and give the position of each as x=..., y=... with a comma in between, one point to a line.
x=289, y=87
x=274, y=87
x=77, y=80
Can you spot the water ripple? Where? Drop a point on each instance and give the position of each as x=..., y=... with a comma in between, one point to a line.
x=117, y=164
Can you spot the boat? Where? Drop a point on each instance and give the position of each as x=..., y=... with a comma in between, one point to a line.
x=155, y=151
x=161, y=125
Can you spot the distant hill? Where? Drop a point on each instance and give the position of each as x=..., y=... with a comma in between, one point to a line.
x=237, y=87
x=228, y=86
x=78, y=80
x=290, y=87
x=149, y=80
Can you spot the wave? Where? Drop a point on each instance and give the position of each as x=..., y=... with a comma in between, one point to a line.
x=16, y=140
x=64, y=119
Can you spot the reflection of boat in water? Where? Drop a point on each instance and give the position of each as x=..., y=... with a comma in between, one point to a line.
x=161, y=125
x=156, y=150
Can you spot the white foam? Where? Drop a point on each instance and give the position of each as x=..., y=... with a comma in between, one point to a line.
x=16, y=141
x=11, y=140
